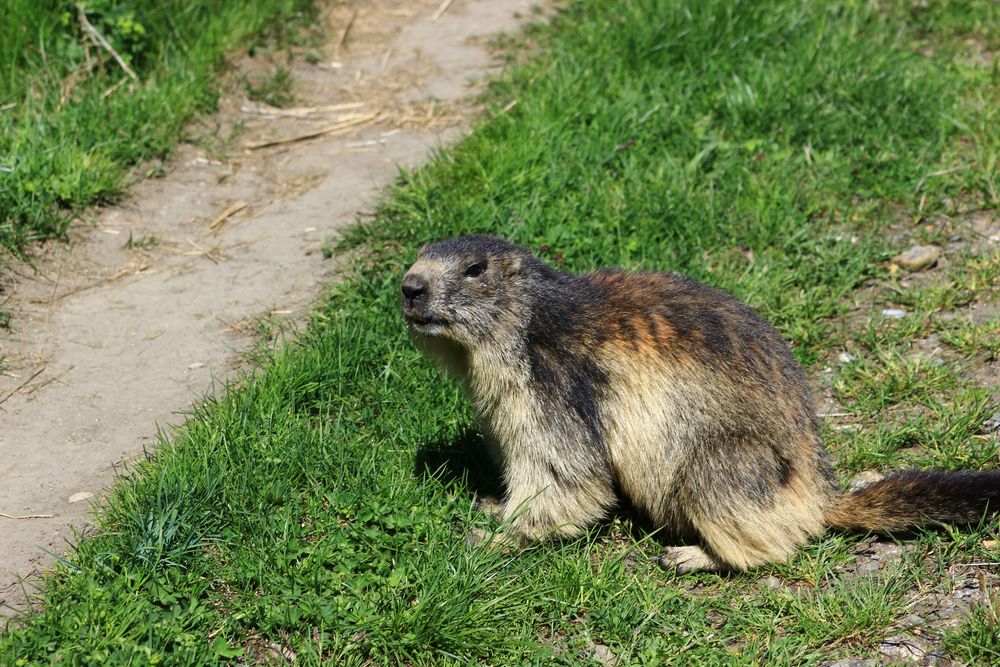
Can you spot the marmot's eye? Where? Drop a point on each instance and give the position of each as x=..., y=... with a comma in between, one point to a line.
x=475, y=269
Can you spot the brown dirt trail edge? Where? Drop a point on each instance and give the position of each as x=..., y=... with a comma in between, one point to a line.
x=113, y=338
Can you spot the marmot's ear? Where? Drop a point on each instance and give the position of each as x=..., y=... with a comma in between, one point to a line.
x=513, y=265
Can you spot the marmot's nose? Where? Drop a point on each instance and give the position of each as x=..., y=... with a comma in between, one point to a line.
x=414, y=286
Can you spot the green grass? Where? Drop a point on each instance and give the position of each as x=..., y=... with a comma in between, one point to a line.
x=323, y=506
x=274, y=89
x=73, y=127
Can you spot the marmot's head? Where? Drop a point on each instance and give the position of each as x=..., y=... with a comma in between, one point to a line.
x=469, y=289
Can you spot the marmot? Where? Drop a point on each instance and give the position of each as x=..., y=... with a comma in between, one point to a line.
x=653, y=388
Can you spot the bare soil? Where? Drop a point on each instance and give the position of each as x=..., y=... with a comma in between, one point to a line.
x=154, y=300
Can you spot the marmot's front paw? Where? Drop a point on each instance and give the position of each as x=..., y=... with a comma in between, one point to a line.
x=686, y=559
x=477, y=535
x=501, y=541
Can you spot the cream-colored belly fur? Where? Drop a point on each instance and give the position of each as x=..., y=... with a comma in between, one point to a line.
x=646, y=436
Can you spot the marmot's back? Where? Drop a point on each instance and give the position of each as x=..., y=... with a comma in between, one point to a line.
x=688, y=322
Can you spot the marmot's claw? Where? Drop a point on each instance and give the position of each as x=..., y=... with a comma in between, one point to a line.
x=488, y=505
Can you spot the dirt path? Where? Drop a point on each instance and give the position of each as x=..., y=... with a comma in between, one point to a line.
x=121, y=331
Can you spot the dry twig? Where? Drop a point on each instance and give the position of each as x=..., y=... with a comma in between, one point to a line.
x=48, y=381
x=21, y=386
x=299, y=112
x=103, y=43
x=336, y=128
x=342, y=42
x=442, y=9
x=940, y=172
x=214, y=254
x=131, y=270
x=107, y=93
x=507, y=107
x=233, y=209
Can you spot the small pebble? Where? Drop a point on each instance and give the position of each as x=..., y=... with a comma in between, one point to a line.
x=894, y=313
x=870, y=566
x=80, y=497
x=845, y=358
x=890, y=551
x=195, y=366
x=903, y=648
x=918, y=257
x=865, y=478
x=993, y=423
x=602, y=654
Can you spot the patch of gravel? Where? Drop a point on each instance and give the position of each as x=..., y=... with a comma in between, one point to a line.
x=940, y=601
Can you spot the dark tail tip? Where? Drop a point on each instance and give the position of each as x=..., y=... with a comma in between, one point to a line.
x=913, y=498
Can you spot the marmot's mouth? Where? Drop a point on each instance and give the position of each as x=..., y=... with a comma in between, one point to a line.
x=426, y=324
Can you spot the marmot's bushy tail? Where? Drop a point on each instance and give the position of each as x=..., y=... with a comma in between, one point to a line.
x=913, y=498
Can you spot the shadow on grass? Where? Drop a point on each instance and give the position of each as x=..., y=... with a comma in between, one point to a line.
x=465, y=461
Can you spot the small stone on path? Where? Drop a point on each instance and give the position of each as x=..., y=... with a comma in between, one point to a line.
x=918, y=257
x=993, y=423
x=904, y=648
x=80, y=497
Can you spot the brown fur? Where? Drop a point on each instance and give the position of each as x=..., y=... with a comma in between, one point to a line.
x=651, y=387
x=910, y=499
